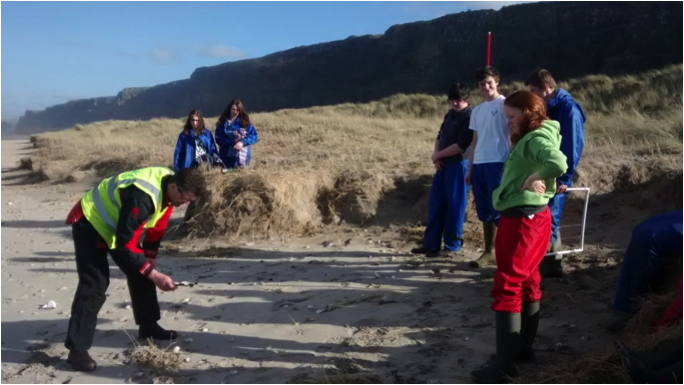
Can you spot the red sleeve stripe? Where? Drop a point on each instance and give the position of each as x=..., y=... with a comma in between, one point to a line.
x=156, y=233
x=75, y=214
x=146, y=268
x=132, y=245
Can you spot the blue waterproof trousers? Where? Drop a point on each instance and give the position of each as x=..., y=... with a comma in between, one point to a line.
x=447, y=208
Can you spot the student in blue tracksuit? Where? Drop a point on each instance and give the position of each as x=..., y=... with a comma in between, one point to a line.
x=490, y=149
x=449, y=192
x=235, y=135
x=195, y=144
x=562, y=108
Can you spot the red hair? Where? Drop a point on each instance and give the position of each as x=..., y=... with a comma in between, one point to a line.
x=533, y=109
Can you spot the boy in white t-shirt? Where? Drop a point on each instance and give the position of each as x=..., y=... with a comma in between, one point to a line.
x=489, y=150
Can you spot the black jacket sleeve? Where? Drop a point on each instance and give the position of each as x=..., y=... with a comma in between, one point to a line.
x=441, y=128
x=136, y=208
x=153, y=236
x=465, y=134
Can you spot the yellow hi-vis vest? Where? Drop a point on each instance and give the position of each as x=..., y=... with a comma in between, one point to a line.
x=101, y=205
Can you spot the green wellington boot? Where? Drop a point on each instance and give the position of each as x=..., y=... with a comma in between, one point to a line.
x=528, y=331
x=551, y=267
x=507, y=346
x=529, y=323
x=488, y=257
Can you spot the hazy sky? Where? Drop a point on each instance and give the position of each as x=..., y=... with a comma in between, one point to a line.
x=53, y=52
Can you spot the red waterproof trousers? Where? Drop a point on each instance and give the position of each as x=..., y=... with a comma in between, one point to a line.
x=520, y=246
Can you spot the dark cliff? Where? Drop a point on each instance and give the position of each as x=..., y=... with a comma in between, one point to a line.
x=569, y=39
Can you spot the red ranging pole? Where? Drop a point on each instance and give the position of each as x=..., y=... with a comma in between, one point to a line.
x=489, y=47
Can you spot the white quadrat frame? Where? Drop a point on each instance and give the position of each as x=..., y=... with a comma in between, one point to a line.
x=560, y=254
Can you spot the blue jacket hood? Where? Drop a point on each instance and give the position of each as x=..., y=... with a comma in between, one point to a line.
x=564, y=109
x=563, y=98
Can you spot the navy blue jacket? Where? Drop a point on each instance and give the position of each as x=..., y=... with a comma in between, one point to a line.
x=184, y=156
x=563, y=109
x=225, y=138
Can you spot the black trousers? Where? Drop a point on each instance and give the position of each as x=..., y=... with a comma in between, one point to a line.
x=93, y=280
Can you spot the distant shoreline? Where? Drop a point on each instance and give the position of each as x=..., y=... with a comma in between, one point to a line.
x=15, y=136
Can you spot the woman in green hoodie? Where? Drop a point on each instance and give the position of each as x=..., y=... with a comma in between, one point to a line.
x=527, y=184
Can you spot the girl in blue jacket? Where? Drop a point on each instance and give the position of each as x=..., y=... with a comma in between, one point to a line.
x=195, y=144
x=235, y=135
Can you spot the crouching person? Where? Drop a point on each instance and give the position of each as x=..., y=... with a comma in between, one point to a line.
x=654, y=252
x=527, y=184
x=110, y=219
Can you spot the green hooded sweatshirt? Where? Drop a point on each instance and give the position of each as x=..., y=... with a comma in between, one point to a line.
x=538, y=151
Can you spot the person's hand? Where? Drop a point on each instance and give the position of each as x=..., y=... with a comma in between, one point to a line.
x=435, y=158
x=535, y=184
x=238, y=146
x=162, y=281
x=438, y=165
x=152, y=262
x=561, y=188
x=468, y=175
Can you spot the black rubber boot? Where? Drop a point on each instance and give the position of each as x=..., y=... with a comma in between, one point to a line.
x=669, y=375
x=488, y=257
x=156, y=332
x=660, y=357
x=81, y=361
x=663, y=366
x=507, y=346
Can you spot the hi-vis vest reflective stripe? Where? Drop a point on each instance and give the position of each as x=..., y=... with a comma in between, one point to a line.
x=101, y=205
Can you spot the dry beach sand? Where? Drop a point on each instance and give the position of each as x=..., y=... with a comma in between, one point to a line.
x=349, y=305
